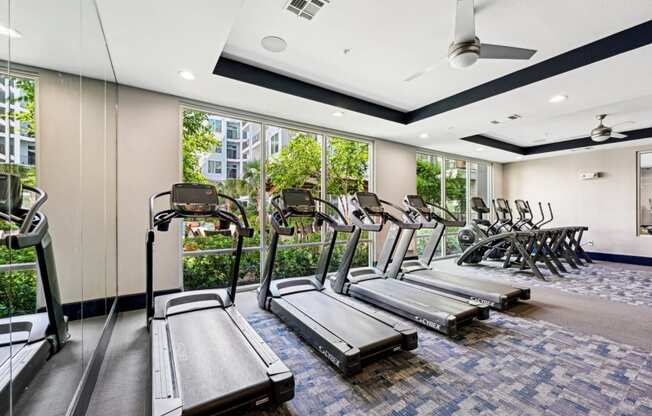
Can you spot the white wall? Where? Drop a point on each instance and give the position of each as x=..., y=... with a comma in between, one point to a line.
x=76, y=167
x=149, y=162
x=396, y=175
x=607, y=205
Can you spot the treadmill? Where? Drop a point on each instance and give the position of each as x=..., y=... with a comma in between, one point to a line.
x=437, y=310
x=346, y=334
x=497, y=295
x=205, y=358
x=27, y=341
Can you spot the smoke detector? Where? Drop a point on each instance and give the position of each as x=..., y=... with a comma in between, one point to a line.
x=306, y=8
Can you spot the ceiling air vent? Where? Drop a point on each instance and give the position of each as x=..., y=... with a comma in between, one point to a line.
x=305, y=8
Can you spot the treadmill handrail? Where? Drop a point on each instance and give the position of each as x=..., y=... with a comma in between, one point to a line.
x=400, y=223
x=160, y=221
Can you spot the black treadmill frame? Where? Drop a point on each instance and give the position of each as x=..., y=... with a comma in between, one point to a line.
x=166, y=397
x=340, y=353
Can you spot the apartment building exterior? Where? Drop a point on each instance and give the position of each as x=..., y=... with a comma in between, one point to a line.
x=239, y=142
x=15, y=145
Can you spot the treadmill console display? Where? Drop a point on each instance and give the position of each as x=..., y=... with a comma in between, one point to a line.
x=298, y=201
x=416, y=202
x=11, y=193
x=194, y=199
x=370, y=202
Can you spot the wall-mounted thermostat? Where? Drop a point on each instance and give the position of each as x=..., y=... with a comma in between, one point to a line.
x=590, y=175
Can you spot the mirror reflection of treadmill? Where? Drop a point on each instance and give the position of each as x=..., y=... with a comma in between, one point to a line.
x=495, y=294
x=28, y=341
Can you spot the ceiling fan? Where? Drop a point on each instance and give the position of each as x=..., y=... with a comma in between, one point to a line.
x=466, y=48
x=602, y=133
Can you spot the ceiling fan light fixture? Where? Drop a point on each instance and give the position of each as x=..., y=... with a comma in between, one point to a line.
x=463, y=55
x=600, y=135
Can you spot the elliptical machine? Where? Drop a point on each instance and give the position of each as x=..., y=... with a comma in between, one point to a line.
x=481, y=228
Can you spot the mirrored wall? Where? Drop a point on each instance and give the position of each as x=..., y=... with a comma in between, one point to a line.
x=58, y=97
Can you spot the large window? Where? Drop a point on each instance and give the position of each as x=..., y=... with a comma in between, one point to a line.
x=207, y=245
x=332, y=168
x=645, y=193
x=429, y=187
x=18, y=156
x=451, y=182
x=456, y=196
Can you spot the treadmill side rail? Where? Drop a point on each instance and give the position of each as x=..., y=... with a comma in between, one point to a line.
x=279, y=374
x=342, y=355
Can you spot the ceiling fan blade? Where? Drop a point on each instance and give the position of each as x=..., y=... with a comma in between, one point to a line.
x=617, y=135
x=622, y=123
x=489, y=51
x=465, y=21
x=414, y=76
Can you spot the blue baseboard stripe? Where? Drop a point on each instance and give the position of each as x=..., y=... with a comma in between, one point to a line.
x=621, y=258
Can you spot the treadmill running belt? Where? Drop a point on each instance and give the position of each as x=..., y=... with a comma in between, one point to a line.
x=474, y=285
x=356, y=328
x=417, y=297
x=214, y=359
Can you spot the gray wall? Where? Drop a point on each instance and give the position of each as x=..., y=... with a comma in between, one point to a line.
x=607, y=205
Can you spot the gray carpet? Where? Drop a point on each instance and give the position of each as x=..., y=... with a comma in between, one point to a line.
x=54, y=386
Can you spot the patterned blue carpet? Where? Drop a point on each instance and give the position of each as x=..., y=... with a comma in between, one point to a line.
x=630, y=286
x=504, y=366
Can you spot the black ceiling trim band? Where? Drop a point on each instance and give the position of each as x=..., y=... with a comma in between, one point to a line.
x=624, y=41
x=627, y=40
x=496, y=144
x=556, y=146
x=587, y=142
x=250, y=74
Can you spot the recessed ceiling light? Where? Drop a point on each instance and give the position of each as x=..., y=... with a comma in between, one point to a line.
x=274, y=43
x=338, y=114
x=5, y=31
x=479, y=149
x=558, y=98
x=424, y=135
x=186, y=75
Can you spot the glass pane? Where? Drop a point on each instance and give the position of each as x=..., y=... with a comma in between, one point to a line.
x=429, y=177
x=230, y=159
x=347, y=172
x=360, y=259
x=455, y=178
x=429, y=188
x=479, y=182
x=294, y=163
x=645, y=194
x=211, y=271
x=296, y=261
x=18, y=289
